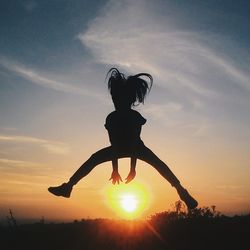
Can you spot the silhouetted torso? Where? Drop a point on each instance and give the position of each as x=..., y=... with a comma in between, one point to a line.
x=124, y=128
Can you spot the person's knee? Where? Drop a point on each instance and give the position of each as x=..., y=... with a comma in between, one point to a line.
x=98, y=157
x=93, y=158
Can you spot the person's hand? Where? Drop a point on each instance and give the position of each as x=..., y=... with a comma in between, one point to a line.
x=115, y=177
x=130, y=176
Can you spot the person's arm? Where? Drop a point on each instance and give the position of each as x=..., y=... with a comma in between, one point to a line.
x=132, y=171
x=109, y=125
x=115, y=176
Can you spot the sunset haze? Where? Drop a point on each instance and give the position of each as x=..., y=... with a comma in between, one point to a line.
x=54, y=57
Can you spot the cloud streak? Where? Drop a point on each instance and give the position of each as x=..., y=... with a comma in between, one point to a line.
x=19, y=163
x=196, y=78
x=43, y=80
x=181, y=61
x=51, y=146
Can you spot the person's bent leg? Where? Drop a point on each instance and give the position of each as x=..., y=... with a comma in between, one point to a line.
x=97, y=158
x=148, y=156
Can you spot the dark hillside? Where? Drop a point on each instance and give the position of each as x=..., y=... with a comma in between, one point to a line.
x=201, y=229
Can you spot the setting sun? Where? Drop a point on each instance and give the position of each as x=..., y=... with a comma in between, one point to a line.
x=128, y=201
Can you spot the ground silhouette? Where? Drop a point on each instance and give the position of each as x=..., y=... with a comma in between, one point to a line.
x=202, y=228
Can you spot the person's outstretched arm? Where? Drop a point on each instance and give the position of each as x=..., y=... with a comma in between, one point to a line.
x=115, y=176
x=132, y=171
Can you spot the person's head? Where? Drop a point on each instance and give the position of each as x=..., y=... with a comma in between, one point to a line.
x=128, y=91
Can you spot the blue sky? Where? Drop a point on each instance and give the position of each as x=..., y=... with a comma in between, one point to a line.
x=53, y=99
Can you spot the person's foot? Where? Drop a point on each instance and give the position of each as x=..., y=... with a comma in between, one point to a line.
x=190, y=202
x=62, y=190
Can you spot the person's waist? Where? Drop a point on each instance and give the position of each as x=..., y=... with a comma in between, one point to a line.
x=127, y=143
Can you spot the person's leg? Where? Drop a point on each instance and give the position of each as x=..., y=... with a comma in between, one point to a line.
x=148, y=156
x=145, y=154
x=97, y=158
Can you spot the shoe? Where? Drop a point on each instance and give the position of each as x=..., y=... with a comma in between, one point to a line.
x=63, y=190
x=190, y=202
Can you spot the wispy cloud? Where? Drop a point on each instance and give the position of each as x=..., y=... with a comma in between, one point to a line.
x=19, y=163
x=160, y=111
x=51, y=146
x=136, y=39
x=190, y=70
x=8, y=128
x=42, y=79
x=174, y=115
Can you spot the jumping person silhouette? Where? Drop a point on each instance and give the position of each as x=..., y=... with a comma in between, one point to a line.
x=124, y=129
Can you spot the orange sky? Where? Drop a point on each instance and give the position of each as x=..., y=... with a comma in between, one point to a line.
x=54, y=101
x=24, y=185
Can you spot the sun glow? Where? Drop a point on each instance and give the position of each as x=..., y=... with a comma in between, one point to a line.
x=129, y=203
x=128, y=200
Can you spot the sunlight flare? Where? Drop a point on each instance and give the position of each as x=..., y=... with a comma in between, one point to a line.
x=128, y=201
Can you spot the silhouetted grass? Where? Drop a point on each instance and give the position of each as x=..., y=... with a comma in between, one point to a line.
x=202, y=229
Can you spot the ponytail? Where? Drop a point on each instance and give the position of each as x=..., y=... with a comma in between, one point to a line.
x=133, y=88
